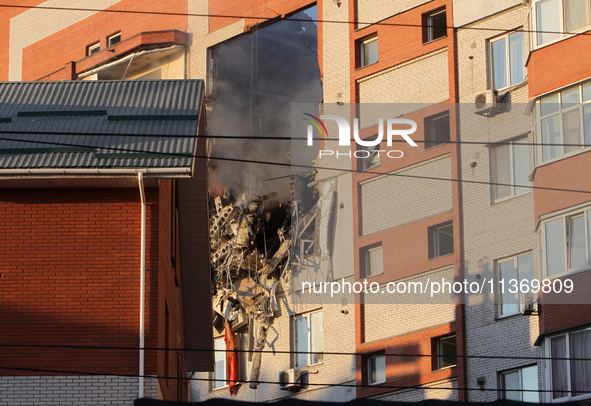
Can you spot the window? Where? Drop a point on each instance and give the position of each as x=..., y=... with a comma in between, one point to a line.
x=220, y=366
x=435, y=24
x=437, y=130
x=521, y=384
x=441, y=240
x=114, y=39
x=570, y=378
x=376, y=369
x=564, y=118
x=93, y=48
x=368, y=51
x=517, y=268
x=507, y=60
x=511, y=169
x=373, y=261
x=567, y=243
x=371, y=158
x=446, y=352
x=555, y=17
x=309, y=337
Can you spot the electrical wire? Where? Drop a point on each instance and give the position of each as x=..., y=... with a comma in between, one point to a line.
x=279, y=17
x=342, y=385
x=292, y=165
x=360, y=354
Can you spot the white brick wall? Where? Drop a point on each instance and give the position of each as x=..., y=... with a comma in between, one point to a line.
x=406, y=199
x=371, y=11
x=442, y=390
x=72, y=390
x=492, y=230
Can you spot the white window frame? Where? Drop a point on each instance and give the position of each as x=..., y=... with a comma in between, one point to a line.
x=429, y=25
x=434, y=248
x=564, y=217
x=429, y=121
x=362, y=45
x=309, y=356
x=515, y=189
x=243, y=363
x=505, y=37
x=515, y=259
x=562, y=23
x=110, y=37
x=440, y=352
x=367, y=253
x=215, y=383
x=560, y=113
x=548, y=369
x=520, y=371
x=90, y=49
x=369, y=369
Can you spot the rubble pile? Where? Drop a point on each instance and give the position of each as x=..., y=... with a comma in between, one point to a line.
x=251, y=248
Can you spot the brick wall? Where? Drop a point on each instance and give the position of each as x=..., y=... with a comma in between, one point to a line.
x=70, y=270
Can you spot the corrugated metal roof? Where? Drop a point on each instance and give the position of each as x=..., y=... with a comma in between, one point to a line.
x=98, y=124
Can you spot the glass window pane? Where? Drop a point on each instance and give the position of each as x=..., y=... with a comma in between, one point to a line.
x=509, y=301
x=375, y=261
x=516, y=58
x=499, y=59
x=580, y=347
x=377, y=369
x=521, y=166
x=503, y=171
x=559, y=367
x=317, y=337
x=548, y=20
x=570, y=97
x=447, y=350
x=444, y=240
x=529, y=380
x=244, y=363
x=587, y=123
x=555, y=245
x=551, y=136
x=512, y=386
x=525, y=265
x=575, y=14
x=370, y=51
x=302, y=341
x=587, y=92
x=219, y=368
x=572, y=130
x=549, y=104
x=437, y=25
x=577, y=246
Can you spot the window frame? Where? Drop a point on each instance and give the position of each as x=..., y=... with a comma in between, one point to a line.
x=373, y=151
x=90, y=48
x=366, y=259
x=520, y=390
x=369, y=369
x=494, y=165
x=241, y=341
x=548, y=368
x=564, y=217
x=562, y=24
x=433, y=240
x=428, y=35
x=361, y=46
x=309, y=361
x=505, y=37
x=515, y=259
x=110, y=37
x=428, y=122
x=439, y=353
x=561, y=111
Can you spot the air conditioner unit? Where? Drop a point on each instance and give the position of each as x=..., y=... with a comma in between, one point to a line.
x=290, y=379
x=528, y=304
x=487, y=103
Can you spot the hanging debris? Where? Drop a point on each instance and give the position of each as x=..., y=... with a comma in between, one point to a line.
x=250, y=257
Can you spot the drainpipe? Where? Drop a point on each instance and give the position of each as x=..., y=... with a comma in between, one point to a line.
x=140, y=178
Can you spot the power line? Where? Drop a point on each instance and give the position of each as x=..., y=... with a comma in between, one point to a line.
x=278, y=17
x=503, y=357
x=291, y=165
x=342, y=385
x=270, y=138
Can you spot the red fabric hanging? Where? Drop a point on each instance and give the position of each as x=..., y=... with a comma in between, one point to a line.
x=231, y=359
